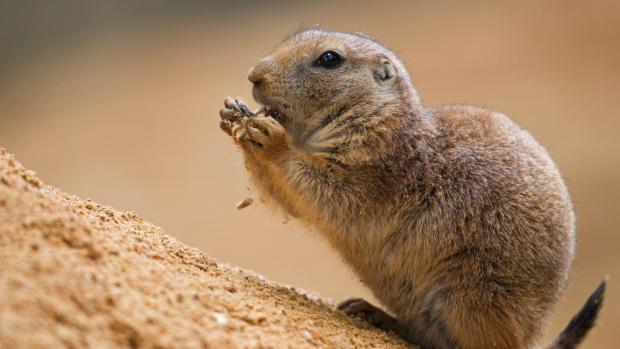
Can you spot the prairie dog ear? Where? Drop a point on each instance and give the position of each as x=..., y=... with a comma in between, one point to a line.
x=385, y=70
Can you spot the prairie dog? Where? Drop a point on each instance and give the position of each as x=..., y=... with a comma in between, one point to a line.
x=455, y=217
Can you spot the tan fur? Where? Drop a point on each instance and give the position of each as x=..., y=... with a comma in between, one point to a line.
x=455, y=218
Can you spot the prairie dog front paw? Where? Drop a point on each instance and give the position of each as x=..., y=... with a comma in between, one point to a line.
x=234, y=110
x=262, y=135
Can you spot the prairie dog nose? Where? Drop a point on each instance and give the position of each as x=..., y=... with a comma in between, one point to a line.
x=258, y=72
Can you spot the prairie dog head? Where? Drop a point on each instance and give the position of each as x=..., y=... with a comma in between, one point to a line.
x=316, y=73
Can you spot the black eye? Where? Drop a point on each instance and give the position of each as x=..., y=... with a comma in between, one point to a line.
x=329, y=59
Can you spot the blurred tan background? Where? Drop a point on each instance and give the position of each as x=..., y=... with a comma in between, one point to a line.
x=118, y=101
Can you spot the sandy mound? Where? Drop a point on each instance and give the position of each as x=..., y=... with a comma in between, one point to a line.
x=77, y=274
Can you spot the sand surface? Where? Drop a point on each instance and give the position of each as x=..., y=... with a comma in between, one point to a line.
x=76, y=274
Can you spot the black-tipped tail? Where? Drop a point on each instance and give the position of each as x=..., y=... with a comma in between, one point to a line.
x=581, y=323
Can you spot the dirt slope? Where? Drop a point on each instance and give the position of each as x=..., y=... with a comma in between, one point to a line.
x=77, y=274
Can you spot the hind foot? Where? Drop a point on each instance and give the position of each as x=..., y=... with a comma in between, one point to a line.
x=357, y=307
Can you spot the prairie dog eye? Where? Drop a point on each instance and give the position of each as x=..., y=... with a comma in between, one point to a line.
x=329, y=59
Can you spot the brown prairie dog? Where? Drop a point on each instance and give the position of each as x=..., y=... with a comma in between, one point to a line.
x=454, y=216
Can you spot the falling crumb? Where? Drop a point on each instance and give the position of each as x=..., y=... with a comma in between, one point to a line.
x=286, y=218
x=220, y=318
x=245, y=203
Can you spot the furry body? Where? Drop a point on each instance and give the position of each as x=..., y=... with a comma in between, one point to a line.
x=455, y=217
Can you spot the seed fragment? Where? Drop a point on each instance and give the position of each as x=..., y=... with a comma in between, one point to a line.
x=245, y=203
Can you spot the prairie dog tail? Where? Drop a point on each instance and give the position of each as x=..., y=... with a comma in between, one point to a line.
x=581, y=323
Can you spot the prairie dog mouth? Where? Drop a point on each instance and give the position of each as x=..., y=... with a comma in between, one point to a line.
x=274, y=113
